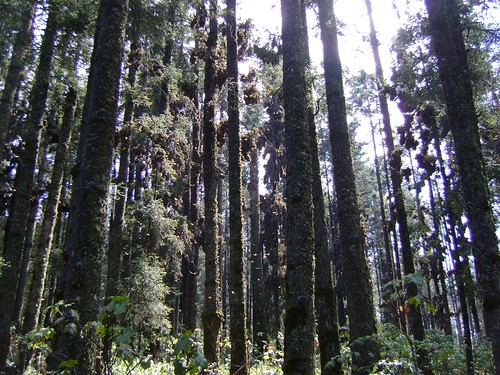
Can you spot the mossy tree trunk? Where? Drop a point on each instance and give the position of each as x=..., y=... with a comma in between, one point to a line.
x=15, y=229
x=41, y=253
x=189, y=284
x=257, y=271
x=212, y=314
x=237, y=288
x=86, y=231
x=449, y=48
x=16, y=66
x=299, y=307
x=358, y=288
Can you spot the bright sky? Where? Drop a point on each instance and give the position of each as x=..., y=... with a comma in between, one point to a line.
x=355, y=53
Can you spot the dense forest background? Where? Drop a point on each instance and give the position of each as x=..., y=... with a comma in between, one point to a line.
x=183, y=193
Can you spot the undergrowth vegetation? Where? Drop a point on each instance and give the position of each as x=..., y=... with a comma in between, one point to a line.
x=131, y=348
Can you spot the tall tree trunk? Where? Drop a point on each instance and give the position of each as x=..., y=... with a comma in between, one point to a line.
x=299, y=306
x=212, y=314
x=117, y=223
x=257, y=271
x=237, y=289
x=15, y=229
x=16, y=66
x=449, y=47
x=389, y=309
x=325, y=299
x=455, y=247
x=24, y=272
x=394, y=158
x=189, y=296
x=88, y=212
x=161, y=102
x=444, y=317
x=358, y=287
x=43, y=246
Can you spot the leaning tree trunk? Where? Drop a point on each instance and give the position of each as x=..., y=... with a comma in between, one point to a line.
x=86, y=233
x=449, y=47
x=16, y=66
x=15, y=229
x=41, y=253
x=237, y=296
x=358, y=288
x=212, y=314
x=394, y=159
x=299, y=306
x=26, y=268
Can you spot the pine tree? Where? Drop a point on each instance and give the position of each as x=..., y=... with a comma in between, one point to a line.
x=449, y=48
x=299, y=312
x=355, y=269
x=86, y=233
x=15, y=230
x=212, y=314
x=237, y=287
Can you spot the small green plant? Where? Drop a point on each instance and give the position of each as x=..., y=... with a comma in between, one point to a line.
x=187, y=355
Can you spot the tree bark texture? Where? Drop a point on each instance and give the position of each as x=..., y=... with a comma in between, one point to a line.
x=16, y=66
x=449, y=48
x=324, y=297
x=257, y=271
x=15, y=229
x=86, y=232
x=189, y=286
x=356, y=274
x=212, y=315
x=389, y=309
x=41, y=253
x=299, y=310
x=237, y=288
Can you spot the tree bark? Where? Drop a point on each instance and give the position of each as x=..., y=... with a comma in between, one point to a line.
x=299, y=309
x=189, y=296
x=358, y=288
x=449, y=47
x=237, y=288
x=16, y=66
x=86, y=232
x=389, y=309
x=15, y=229
x=212, y=315
x=41, y=253
x=257, y=271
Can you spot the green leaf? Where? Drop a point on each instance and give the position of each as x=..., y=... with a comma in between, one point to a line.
x=415, y=301
x=183, y=344
x=200, y=360
x=125, y=336
x=118, y=304
x=71, y=328
x=416, y=278
x=146, y=365
x=69, y=364
x=431, y=307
